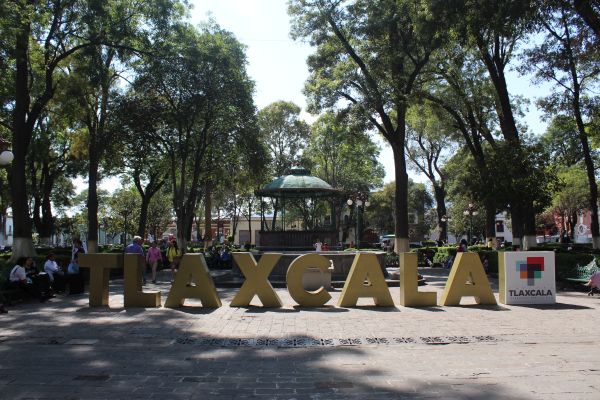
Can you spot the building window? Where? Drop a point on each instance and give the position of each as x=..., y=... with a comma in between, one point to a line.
x=499, y=226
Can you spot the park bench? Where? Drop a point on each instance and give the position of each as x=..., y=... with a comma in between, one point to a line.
x=582, y=273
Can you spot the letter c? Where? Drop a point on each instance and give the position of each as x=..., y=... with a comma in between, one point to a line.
x=295, y=271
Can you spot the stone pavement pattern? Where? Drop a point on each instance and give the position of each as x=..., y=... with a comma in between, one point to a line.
x=64, y=350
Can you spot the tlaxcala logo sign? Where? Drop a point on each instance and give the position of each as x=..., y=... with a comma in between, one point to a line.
x=527, y=277
x=365, y=280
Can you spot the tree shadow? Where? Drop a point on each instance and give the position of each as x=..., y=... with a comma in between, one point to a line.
x=137, y=354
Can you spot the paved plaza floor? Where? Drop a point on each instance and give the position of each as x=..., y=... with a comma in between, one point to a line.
x=63, y=349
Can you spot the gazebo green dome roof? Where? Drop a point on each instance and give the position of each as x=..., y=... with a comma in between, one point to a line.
x=298, y=183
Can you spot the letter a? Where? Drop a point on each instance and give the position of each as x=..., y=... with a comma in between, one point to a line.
x=467, y=265
x=133, y=296
x=365, y=267
x=409, y=284
x=257, y=280
x=194, y=266
x=295, y=271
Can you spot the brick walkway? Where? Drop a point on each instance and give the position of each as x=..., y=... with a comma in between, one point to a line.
x=64, y=350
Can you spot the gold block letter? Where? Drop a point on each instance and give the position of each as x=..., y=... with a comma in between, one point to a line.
x=194, y=266
x=409, y=284
x=257, y=280
x=133, y=296
x=467, y=278
x=100, y=266
x=365, y=267
x=295, y=271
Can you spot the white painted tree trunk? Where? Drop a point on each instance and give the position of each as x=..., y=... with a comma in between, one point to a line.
x=22, y=247
x=92, y=246
x=516, y=241
x=401, y=245
x=529, y=241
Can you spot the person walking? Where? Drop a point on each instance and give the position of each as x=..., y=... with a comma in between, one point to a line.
x=136, y=248
x=152, y=258
x=173, y=256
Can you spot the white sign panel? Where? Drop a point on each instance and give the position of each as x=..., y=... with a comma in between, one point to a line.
x=527, y=277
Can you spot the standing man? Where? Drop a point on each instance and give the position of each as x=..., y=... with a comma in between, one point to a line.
x=136, y=248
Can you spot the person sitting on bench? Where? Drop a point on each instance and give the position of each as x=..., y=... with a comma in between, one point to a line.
x=40, y=279
x=55, y=273
x=593, y=283
x=18, y=279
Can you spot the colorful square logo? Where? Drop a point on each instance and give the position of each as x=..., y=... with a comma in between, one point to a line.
x=530, y=269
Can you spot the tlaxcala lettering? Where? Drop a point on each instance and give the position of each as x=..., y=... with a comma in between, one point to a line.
x=365, y=280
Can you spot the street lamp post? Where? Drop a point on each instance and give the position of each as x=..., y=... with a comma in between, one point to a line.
x=470, y=211
x=361, y=200
x=445, y=219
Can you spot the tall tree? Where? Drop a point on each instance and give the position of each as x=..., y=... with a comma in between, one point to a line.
x=204, y=98
x=495, y=29
x=368, y=60
x=428, y=146
x=48, y=160
x=42, y=36
x=571, y=197
x=568, y=59
x=460, y=88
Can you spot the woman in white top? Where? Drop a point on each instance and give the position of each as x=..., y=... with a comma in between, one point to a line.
x=55, y=273
x=18, y=279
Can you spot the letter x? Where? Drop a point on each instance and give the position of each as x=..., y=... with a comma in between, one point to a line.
x=257, y=280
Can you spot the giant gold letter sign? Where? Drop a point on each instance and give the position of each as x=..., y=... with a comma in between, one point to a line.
x=133, y=296
x=295, y=271
x=257, y=280
x=365, y=267
x=100, y=266
x=194, y=266
x=467, y=266
x=409, y=284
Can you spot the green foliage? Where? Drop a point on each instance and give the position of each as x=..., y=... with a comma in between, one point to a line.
x=381, y=212
x=343, y=157
x=286, y=135
x=562, y=141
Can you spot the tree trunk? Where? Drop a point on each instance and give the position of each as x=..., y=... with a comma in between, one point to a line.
x=517, y=224
x=92, y=202
x=402, y=241
x=22, y=129
x=208, y=215
x=590, y=170
x=529, y=239
x=490, y=223
x=141, y=231
x=440, y=200
x=586, y=12
x=47, y=223
x=250, y=224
